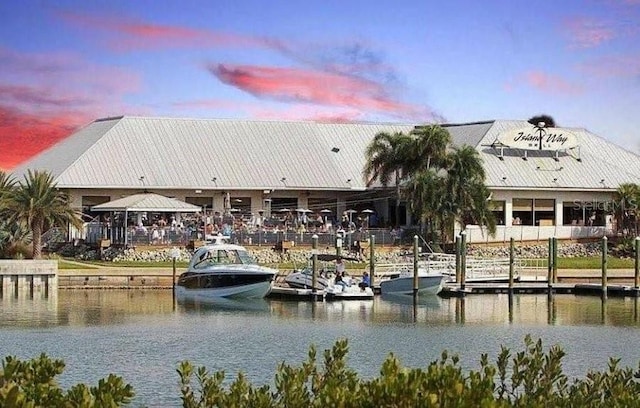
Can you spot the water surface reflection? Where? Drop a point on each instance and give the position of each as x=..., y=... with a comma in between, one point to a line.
x=143, y=335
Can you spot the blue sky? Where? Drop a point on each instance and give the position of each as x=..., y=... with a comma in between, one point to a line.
x=66, y=63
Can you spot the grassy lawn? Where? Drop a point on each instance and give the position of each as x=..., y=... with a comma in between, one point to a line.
x=593, y=262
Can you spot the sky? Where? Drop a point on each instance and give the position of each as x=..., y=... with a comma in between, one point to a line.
x=66, y=63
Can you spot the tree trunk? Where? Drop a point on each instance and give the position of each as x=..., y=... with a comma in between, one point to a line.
x=36, y=230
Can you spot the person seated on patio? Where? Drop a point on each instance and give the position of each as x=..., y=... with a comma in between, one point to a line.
x=365, y=282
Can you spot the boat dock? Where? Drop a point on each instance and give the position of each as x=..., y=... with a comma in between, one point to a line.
x=455, y=290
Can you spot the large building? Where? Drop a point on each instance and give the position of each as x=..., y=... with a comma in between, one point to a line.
x=556, y=188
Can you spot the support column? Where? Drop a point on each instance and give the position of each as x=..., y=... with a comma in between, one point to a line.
x=508, y=212
x=559, y=221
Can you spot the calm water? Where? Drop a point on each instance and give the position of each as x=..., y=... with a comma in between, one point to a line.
x=142, y=336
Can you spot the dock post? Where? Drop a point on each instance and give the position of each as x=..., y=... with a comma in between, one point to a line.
x=372, y=259
x=555, y=260
x=458, y=261
x=415, y=265
x=511, y=263
x=463, y=260
x=175, y=253
x=605, y=251
x=637, y=265
x=314, y=264
x=550, y=264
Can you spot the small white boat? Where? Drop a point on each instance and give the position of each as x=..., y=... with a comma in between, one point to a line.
x=221, y=270
x=350, y=289
x=402, y=284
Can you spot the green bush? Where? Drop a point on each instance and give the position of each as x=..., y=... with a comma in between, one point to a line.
x=530, y=378
x=27, y=384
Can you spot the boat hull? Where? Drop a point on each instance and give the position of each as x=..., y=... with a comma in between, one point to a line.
x=403, y=285
x=256, y=290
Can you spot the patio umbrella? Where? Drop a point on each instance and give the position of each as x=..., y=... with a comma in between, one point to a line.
x=368, y=211
x=284, y=210
x=326, y=211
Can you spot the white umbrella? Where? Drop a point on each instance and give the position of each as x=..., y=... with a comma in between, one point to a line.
x=368, y=211
x=284, y=210
x=303, y=210
x=327, y=211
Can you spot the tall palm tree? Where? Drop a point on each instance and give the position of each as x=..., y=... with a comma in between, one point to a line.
x=38, y=203
x=424, y=193
x=466, y=188
x=386, y=158
x=625, y=208
x=430, y=147
x=7, y=182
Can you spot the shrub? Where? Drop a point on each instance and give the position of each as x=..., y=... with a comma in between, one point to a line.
x=32, y=384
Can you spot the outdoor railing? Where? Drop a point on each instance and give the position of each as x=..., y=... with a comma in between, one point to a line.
x=171, y=236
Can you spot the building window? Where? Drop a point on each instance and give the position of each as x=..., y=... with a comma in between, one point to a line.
x=497, y=208
x=522, y=211
x=585, y=213
x=544, y=212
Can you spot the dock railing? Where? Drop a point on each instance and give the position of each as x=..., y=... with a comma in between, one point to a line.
x=478, y=269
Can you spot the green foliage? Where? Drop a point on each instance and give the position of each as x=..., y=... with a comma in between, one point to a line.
x=530, y=378
x=38, y=203
x=441, y=183
x=27, y=384
x=533, y=377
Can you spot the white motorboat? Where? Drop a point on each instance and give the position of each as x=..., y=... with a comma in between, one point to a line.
x=403, y=283
x=221, y=270
x=349, y=289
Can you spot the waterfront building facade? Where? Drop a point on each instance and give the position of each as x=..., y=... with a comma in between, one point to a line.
x=559, y=182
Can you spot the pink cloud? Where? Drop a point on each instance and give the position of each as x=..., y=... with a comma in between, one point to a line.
x=588, y=33
x=44, y=97
x=23, y=135
x=544, y=82
x=310, y=86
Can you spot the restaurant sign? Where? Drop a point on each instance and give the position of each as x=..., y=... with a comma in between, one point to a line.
x=535, y=138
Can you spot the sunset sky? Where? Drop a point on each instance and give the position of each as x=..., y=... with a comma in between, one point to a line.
x=65, y=63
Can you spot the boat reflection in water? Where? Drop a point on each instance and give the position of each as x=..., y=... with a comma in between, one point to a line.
x=228, y=304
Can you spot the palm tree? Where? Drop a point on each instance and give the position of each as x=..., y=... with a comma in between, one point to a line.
x=424, y=193
x=430, y=147
x=548, y=120
x=386, y=158
x=625, y=207
x=466, y=189
x=441, y=184
x=37, y=202
x=7, y=182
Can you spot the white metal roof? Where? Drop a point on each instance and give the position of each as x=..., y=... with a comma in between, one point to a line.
x=244, y=154
x=595, y=165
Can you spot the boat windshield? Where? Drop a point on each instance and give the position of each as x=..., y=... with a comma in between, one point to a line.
x=223, y=257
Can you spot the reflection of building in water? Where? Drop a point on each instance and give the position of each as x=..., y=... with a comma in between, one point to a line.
x=29, y=309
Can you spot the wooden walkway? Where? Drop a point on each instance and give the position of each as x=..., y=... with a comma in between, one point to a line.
x=454, y=289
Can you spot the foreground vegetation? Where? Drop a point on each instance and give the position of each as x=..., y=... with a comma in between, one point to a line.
x=532, y=377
